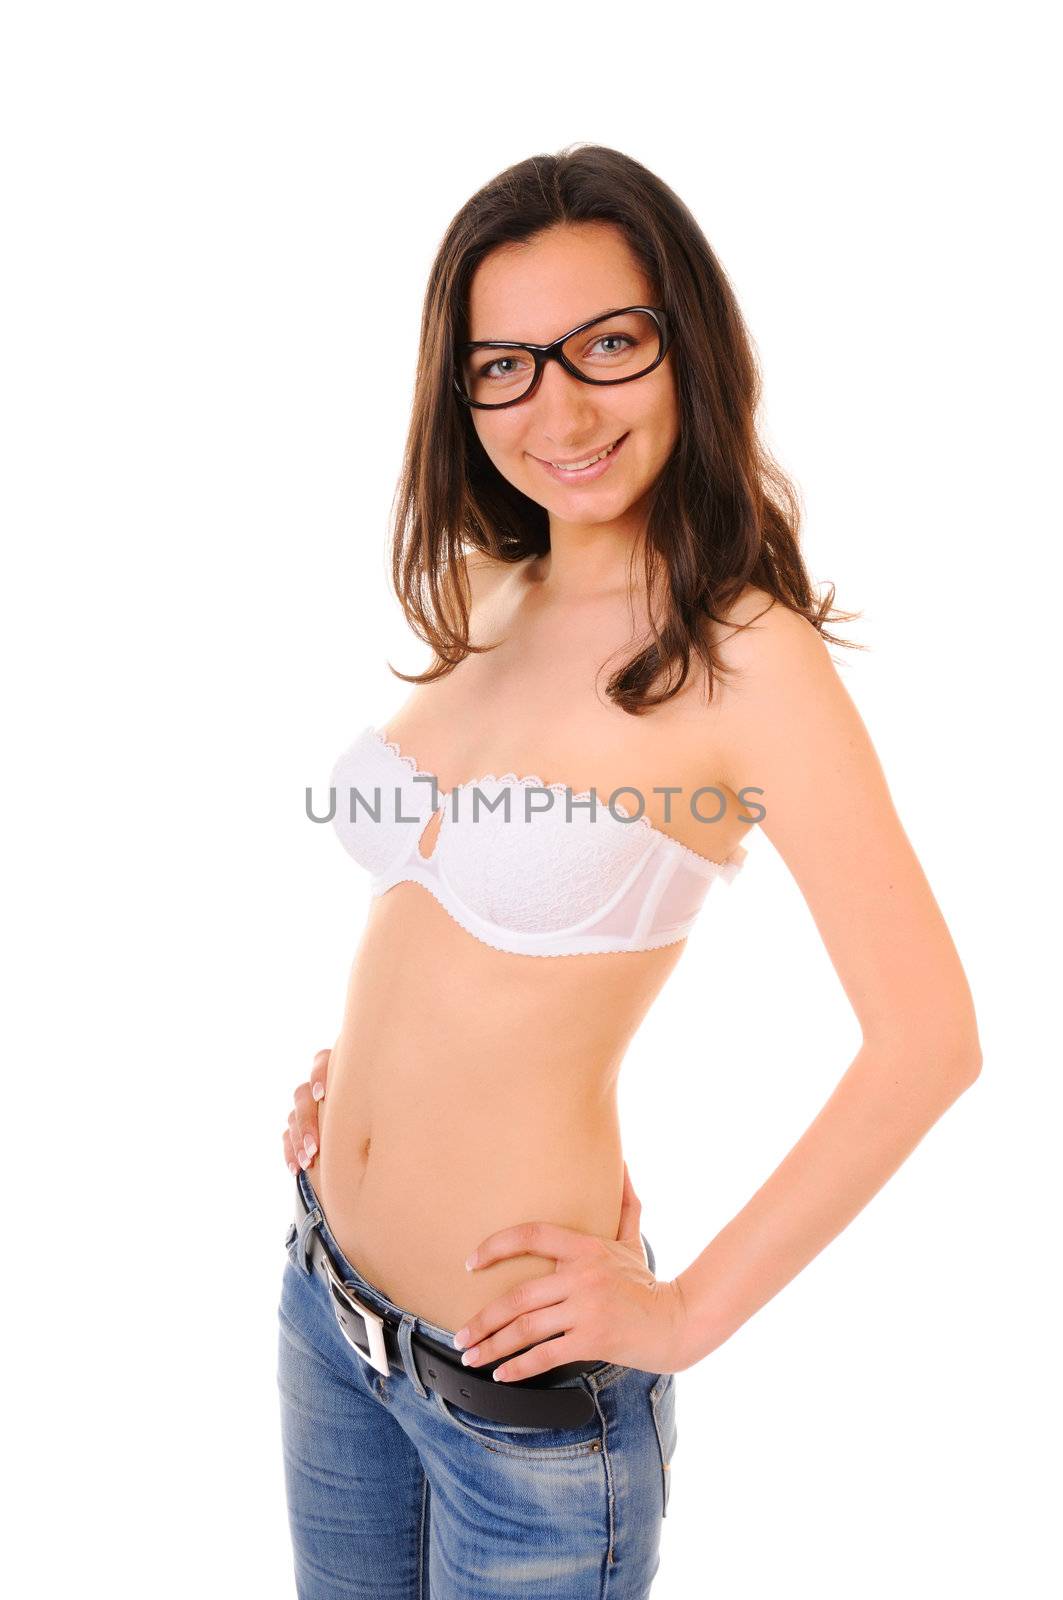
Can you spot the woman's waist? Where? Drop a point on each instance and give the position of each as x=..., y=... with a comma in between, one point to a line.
x=407, y=1212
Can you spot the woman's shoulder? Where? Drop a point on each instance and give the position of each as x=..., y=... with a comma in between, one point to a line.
x=779, y=678
x=768, y=659
x=756, y=627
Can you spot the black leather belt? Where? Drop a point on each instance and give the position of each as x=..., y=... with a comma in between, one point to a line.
x=373, y=1335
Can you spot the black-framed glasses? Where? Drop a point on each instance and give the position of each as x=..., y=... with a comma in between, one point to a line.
x=493, y=373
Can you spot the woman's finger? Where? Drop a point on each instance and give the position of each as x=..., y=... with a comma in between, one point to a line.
x=318, y=1074
x=302, y=1135
x=542, y=1357
x=549, y=1239
x=541, y=1335
x=306, y=1119
x=524, y=1300
x=530, y=1328
x=289, y=1153
x=298, y=1148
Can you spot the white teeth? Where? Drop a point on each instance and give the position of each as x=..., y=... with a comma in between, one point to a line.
x=580, y=466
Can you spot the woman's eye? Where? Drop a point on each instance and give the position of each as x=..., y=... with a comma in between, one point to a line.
x=614, y=338
x=503, y=367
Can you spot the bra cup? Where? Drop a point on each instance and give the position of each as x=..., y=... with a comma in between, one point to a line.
x=385, y=789
x=536, y=873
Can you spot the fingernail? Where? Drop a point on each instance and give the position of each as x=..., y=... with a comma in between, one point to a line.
x=294, y=1168
x=470, y=1262
x=319, y=1091
x=470, y=1355
x=461, y=1338
x=304, y=1160
x=311, y=1144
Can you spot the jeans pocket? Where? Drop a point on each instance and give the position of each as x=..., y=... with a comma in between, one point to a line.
x=662, y=1404
x=530, y=1443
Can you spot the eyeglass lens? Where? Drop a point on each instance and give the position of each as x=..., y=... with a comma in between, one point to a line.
x=618, y=346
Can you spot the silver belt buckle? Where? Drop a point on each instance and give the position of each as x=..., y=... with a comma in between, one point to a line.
x=343, y=1304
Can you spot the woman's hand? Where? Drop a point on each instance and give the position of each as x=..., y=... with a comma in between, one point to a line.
x=601, y=1299
x=300, y=1136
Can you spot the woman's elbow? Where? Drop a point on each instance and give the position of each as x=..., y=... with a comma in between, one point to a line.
x=962, y=1054
x=967, y=1046
x=947, y=1047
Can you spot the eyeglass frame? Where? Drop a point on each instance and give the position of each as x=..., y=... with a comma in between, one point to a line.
x=542, y=353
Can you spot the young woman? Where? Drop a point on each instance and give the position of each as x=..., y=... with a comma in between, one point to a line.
x=629, y=669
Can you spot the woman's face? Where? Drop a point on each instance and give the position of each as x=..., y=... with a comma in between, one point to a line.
x=538, y=291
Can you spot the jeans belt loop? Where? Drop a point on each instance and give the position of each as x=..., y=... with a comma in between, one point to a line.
x=310, y=1221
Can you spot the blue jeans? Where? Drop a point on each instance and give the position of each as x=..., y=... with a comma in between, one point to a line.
x=396, y=1494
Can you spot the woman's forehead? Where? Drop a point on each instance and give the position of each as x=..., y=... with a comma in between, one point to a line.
x=539, y=290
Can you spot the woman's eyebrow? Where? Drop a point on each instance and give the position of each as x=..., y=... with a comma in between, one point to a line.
x=488, y=338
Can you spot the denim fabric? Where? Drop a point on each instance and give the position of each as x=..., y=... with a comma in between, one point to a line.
x=396, y=1494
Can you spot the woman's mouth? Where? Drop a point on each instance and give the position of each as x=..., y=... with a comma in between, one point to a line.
x=589, y=467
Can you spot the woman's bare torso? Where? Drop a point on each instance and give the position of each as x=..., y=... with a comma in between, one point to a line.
x=470, y=1088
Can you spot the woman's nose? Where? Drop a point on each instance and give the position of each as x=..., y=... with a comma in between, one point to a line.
x=566, y=406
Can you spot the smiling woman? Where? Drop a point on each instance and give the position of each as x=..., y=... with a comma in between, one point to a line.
x=604, y=561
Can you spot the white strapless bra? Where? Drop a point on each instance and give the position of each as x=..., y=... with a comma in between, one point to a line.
x=524, y=866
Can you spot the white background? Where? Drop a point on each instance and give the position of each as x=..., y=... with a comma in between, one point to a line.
x=219, y=220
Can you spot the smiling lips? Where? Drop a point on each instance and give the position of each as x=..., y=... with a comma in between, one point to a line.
x=592, y=466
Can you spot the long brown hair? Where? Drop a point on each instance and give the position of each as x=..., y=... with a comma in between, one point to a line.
x=722, y=512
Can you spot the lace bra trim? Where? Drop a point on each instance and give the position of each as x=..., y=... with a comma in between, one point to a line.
x=733, y=861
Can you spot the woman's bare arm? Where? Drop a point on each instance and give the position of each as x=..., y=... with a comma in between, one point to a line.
x=791, y=729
